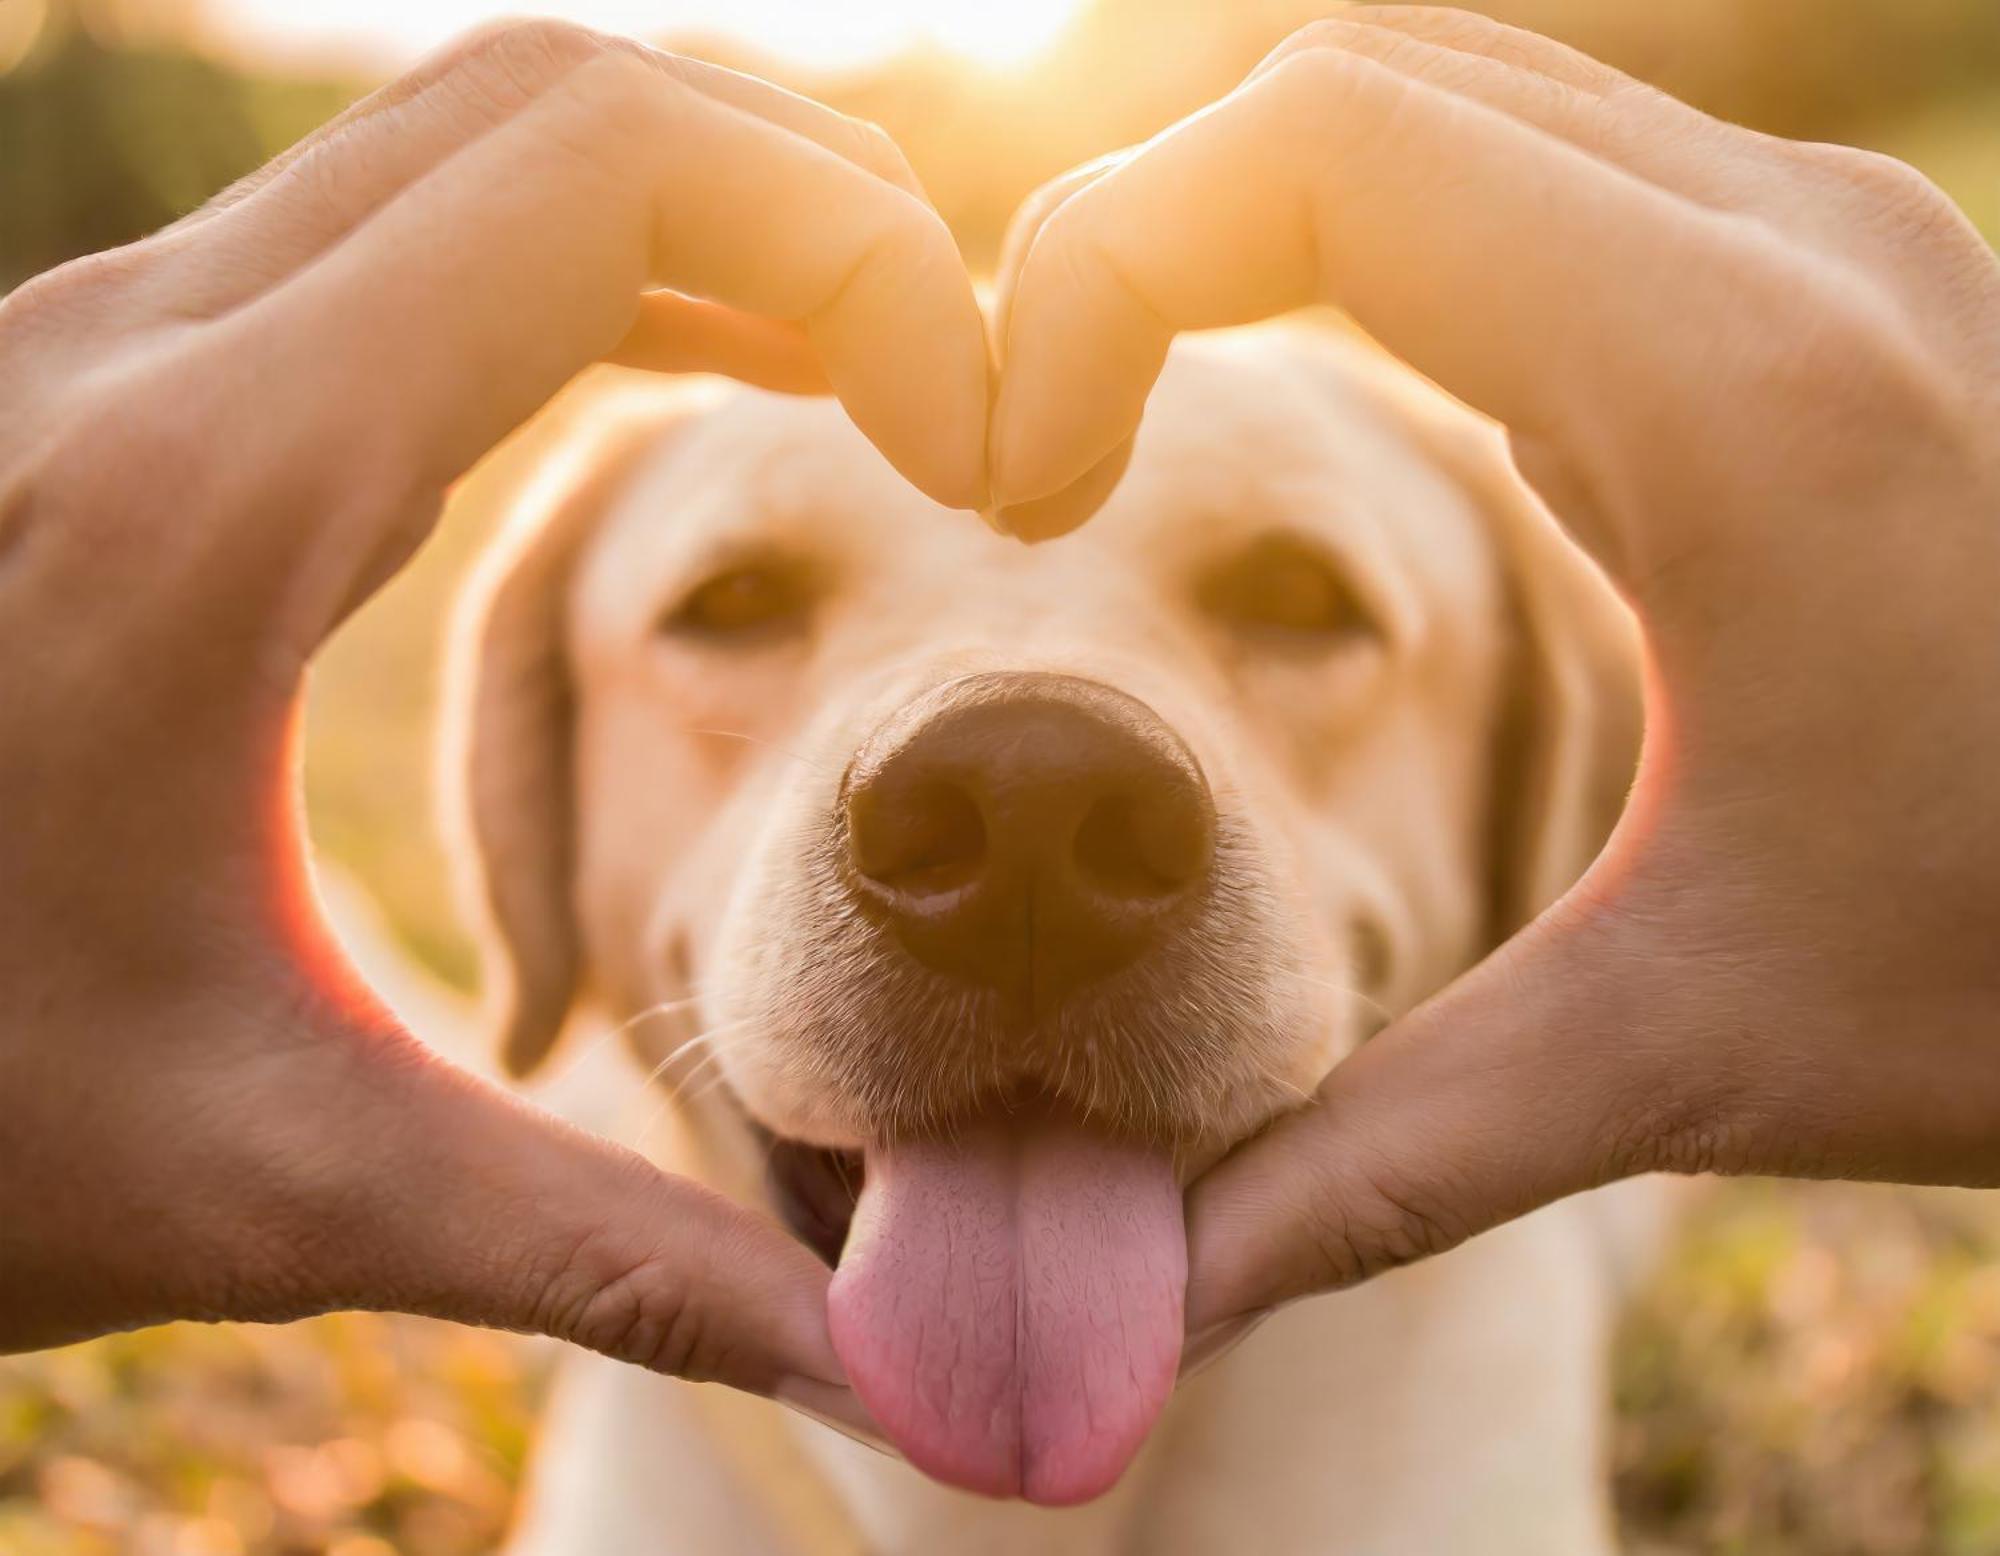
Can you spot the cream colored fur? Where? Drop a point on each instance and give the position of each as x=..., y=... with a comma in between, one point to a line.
x=647, y=830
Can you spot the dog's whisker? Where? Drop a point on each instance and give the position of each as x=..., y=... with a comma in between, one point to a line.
x=676, y=1091
x=612, y=1033
x=1290, y=1088
x=715, y=1084
x=1345, y=991
x=678, y=1094
x=677, y=1088
x=758, y=740
x=667, y=1063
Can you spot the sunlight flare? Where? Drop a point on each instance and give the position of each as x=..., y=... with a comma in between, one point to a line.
x=807, y=33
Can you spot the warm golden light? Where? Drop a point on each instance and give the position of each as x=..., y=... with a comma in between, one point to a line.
x=19, y=24
x=822, y=34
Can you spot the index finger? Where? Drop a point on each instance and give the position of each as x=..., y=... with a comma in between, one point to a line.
x=305, y=199
x=475, y=293
x=1491, y=255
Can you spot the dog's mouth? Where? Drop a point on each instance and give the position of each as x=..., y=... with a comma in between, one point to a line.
x=1007, y=1296
x=814, y=1188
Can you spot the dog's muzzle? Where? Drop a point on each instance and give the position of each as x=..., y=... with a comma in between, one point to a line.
x=1027, y=834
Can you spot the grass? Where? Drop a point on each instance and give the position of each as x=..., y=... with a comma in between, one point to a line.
x=1815, y=1373
x=354, y=1435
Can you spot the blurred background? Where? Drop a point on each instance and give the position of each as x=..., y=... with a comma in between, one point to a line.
x=1818, y=1369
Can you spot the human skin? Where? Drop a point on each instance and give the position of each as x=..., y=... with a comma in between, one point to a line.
x=217, y=443
x=1755, y=380
x=1759, y=382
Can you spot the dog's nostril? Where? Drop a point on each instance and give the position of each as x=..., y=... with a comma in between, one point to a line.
x=1134, y=845
x=925, y=839
x=1027, y=834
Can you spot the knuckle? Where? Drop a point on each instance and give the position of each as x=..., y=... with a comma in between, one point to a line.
x=1081, y=229
x=1407, y=1224
x=27, y=499
x=1316, y=88
x=1334, y=1248
x=532, y=51
x=634, y=1310
x=82, y=292
x=1402, y=32
x=1350, y=1244
x=621, y=99
x=325, y=183
x=1340, y=97
x=1060, y=229
x=1454, y=27
x=500, y=68
x=909, y=242
x=1877, y=177
x=1072, y=251
x=1327, y=32
x=1362, y=1220
x=1310, y=70
x=1414, y=56
x=1844, y=351
x=1832, y=354
x=63, y=497
x=875, y=149
x=1442, y=20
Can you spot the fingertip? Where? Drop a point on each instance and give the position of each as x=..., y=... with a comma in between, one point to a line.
x=1230, y=1236
x=907, y=357
x=1206, y=1346
x=1081, y=357
x=834, y=1406
x=1050, y=518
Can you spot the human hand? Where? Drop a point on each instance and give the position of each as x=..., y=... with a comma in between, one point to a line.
x=218, y=442
x=1760, y=383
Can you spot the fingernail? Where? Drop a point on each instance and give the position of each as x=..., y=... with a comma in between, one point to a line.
x=834, y=1408
x=1049, y=518
x=1204, y=1350
x=1016, y=525
x=995, y=458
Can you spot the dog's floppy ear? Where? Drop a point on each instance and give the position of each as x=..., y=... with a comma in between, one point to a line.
x=1566, y=743
x=1567, y=738
x=507, y=759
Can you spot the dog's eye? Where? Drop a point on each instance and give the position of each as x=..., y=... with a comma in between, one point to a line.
x=1284, y=588
x=760, y=598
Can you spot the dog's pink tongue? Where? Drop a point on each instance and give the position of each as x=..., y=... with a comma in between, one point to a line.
x=1008, y=1306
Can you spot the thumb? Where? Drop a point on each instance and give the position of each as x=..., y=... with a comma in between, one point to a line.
x=470, y=1204
x=1535, y=1076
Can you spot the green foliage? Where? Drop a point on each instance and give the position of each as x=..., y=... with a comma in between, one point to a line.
x=99, y=145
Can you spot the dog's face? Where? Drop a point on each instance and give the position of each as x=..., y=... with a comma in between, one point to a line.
x=1156, y=821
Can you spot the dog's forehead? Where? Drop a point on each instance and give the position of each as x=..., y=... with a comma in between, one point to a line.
x=1284, y=427
x=1245, y=430
x=759, y=461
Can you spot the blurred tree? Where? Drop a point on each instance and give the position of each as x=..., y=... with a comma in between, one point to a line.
x=108, y=130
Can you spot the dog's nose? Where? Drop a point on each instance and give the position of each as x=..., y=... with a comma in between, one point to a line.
x=1028, y=833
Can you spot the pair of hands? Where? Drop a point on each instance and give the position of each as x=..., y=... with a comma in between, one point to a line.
x=1756, y=380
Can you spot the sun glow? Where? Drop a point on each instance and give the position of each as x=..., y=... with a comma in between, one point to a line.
x=815, y=34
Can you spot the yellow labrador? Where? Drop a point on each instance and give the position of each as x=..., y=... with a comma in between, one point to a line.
x=981, y=894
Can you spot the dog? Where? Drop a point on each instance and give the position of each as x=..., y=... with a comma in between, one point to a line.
x=941, y=879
